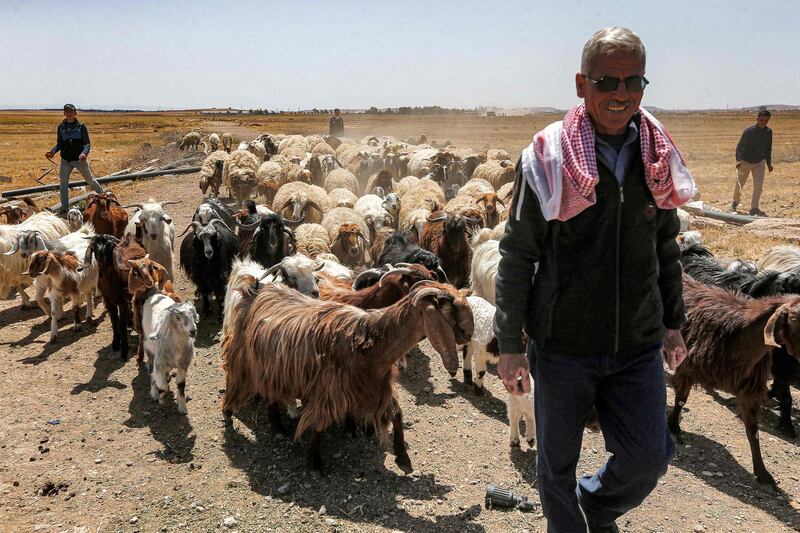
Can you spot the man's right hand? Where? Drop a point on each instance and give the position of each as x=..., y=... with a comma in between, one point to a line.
x=514, y=371
x=49, y=155
x=738, y=164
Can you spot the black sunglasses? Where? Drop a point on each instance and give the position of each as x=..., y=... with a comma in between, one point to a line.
x=606, y=84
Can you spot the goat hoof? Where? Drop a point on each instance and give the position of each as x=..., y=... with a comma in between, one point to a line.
x=769, y=486
x=467, y=377
x=531, y=443
x=478, y=389
x=514, y=443
x=76, y=327
x=787, y=429
x=403, y=462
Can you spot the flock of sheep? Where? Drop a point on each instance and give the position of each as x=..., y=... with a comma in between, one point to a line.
x=333, y=258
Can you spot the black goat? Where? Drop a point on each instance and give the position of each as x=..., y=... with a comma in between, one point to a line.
x=268, y=245
x=112, y=256
x=207, y=256
x=701, y=265
x=212, y=208
x=401, y=247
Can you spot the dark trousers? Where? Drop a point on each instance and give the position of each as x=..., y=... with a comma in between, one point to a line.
x=629, y=393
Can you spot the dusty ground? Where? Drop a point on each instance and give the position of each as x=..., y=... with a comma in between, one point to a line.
x=118, y=462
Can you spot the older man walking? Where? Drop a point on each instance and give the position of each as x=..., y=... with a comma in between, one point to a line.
x=753, y=153
x=72, y=140
x=594, y=206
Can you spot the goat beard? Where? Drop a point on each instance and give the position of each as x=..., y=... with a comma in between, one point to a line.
x=441, y=337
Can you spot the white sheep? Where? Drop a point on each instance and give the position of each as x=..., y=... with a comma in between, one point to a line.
x=418, y=203
x=190, y=140
x=169, y=329
x=211, y=171
x=342, y=198
x=349, y=235
x=256, y=148
x=227, y=142
x=297, y=200
x=497, y=173
x=239, y=174
x=312, y=240
x=341, y=178
x=405, y=184
x=213, y=142
x=370, y=207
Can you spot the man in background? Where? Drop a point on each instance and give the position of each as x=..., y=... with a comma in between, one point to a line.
x=753, y=153
x=72, y=140
x=336, y=126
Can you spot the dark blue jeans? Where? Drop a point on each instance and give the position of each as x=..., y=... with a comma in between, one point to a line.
x=629, y=393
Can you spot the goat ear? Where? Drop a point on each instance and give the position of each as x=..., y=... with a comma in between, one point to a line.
x=161, y=275
x=774, y=331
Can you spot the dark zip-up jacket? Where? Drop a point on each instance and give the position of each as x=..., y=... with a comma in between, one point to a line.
x=755, y=145
x=608, y=279
x=72, y=140
x=336, y=126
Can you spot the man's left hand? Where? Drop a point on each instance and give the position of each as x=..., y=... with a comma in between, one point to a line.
x=674, y=348
x=769, y=167
x=82, y=157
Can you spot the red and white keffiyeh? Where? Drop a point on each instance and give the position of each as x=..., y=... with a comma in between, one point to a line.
x=561, y=167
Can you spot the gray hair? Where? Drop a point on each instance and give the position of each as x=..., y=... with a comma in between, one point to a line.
x=610, y=41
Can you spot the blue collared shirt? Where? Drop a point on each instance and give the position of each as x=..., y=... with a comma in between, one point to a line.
x=618, y=161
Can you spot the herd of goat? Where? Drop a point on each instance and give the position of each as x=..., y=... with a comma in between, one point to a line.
x=333, y=246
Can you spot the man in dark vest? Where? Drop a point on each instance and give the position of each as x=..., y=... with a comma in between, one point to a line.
x=590, y=271
x=72, y=140
x=336, y=126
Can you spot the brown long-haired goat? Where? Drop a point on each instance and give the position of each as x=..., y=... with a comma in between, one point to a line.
x=337, y=359
x=730, y=337
x=104, y=212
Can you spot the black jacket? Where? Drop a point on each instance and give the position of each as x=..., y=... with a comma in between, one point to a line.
x=755, y=145
x=72, y=140
x=608, y=279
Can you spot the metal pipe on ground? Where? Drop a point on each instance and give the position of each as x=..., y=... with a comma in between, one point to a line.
x=105, y=179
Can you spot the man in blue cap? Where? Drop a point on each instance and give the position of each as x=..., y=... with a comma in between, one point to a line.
x=72, y=140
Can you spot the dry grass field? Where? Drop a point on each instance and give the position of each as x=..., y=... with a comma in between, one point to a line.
x=84, y=449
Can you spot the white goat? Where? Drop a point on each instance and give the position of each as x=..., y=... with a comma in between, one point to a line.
x=154, y=227
x=169, y=331
x=75, y=219
x=485, y=260
x=66, y=280
x=518, y=406
x=370, y=207
x=13, y=267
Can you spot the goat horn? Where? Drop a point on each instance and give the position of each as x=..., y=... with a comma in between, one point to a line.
x=139, y=206
x=248, y=227
x=443, y=273
x=294, y=222
x=271, y=270
x=14, y=248
x=169, y=202
x=436, y=219
x=473, y=220
x=424, y=292
x=320, y=265
x=213, y=220
x=194, y=224
x=367, y=273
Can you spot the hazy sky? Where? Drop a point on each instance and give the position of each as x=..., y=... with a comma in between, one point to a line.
x=296, y=54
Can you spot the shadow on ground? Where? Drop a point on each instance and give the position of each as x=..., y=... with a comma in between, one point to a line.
x=358, y=485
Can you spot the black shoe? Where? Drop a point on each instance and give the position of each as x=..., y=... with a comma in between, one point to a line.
x=734, y=205
x=756, y=212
